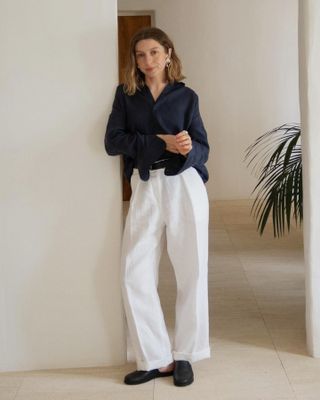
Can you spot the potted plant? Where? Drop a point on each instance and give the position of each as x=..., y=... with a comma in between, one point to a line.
x=276, y=157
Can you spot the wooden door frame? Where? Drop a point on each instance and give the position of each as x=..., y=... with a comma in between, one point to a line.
x=128, y=13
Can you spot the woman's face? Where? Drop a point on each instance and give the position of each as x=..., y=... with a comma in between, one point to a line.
x=151, y=58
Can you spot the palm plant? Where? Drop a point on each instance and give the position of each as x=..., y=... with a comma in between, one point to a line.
x=276, y=156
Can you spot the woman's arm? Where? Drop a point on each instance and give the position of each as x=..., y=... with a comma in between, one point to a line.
x=133, y=144
x=117, y=140
x=199, y=147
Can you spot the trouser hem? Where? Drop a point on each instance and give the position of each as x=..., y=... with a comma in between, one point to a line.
x=148, y=365
x=192, y=357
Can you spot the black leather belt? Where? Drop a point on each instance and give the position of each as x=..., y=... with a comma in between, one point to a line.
x=160, y=164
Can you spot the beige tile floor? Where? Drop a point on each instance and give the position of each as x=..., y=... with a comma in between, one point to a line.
x=256, y=290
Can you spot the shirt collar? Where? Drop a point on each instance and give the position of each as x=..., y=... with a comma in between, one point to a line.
x=145, y=91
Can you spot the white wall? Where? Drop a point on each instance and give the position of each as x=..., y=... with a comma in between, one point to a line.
x=309, y=47
x=61, y=207
x=241, y=56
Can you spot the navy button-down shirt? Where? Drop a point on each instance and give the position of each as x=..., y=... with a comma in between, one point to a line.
x=135, y=121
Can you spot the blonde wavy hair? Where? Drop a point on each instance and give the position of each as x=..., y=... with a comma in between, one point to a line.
x=133, y=77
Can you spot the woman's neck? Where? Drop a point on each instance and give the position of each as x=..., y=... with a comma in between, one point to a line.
x=156, y=83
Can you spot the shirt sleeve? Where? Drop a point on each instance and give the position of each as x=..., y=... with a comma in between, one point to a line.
x=200, y=146
x=144, y=149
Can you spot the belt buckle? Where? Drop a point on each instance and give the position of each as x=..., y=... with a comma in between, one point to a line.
x=154, y=165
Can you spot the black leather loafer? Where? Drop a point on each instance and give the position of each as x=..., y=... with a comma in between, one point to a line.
x=137, y=377
x=183, y=374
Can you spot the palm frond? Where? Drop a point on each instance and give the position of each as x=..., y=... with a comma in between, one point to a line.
x=276, y=158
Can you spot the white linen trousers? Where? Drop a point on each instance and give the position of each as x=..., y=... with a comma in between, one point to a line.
x=178, y=206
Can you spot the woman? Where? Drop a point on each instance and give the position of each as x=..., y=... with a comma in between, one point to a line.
x=156, y=125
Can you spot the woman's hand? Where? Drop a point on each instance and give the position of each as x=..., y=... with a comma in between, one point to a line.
x=183, y=142
x=170, y=142
x=179, y=143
